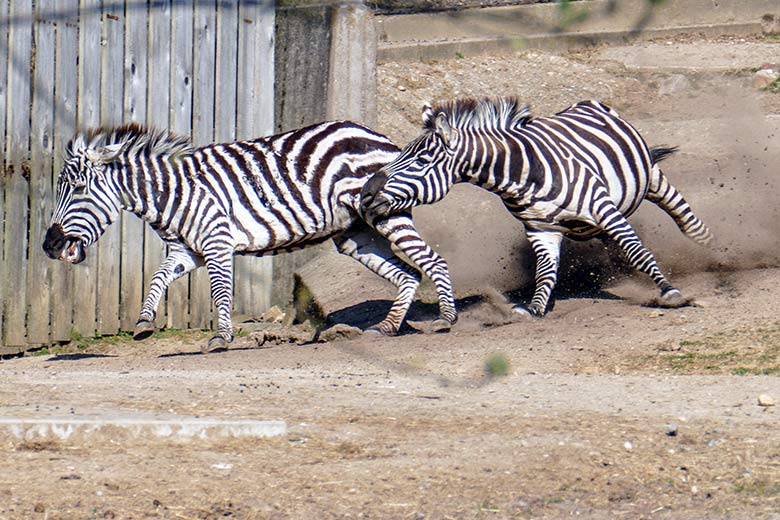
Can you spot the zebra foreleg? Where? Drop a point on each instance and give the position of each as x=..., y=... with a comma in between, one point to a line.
x=220, y=267
x=618, y=229
x=404, y=238
x=179, y=262
x=547, y=249
x=374, y=252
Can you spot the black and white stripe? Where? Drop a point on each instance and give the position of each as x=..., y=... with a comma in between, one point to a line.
x=258, y=197
x=578, y=173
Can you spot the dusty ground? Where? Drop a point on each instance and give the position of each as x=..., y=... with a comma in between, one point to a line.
x=609, y=408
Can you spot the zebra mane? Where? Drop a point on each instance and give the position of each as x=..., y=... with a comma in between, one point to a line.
x=500, y=112
x=134, y=139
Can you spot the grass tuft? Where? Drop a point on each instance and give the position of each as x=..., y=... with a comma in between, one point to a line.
x=497, y=365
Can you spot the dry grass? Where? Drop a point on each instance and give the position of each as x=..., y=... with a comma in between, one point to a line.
x=749, y=350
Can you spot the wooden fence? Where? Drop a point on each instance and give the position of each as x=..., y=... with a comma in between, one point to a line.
x=201, y=68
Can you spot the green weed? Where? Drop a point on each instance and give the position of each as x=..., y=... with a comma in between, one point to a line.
x=497, y=365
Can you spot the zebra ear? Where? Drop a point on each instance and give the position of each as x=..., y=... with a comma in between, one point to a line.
x=427, y=116
x=443, y=127
x=105, y=154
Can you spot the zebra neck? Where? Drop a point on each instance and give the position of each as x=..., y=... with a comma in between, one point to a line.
x=145, y=184
x=491, y=162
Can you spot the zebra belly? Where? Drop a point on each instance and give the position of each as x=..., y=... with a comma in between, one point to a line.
x=271, y=235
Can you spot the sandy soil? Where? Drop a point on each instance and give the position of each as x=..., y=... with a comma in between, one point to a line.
x=606, y=408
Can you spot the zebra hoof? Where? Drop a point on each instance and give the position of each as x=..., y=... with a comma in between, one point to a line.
x=441, y=325
x=215, y=344
x=672, y=298
x=378, y=330
x=143, y=329
x=520, y=312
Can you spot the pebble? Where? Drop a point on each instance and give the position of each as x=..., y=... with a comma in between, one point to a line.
x=676, y=84
x=671, y=430
x=628, y=445
x=764, y=77
x=340, y=331
x=765, y=400
x=273, y=315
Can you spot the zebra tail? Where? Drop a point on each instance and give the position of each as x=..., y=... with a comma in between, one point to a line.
x=659, y=153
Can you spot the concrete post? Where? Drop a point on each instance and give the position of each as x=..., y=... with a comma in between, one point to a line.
x=352, y=78
x=325, y=69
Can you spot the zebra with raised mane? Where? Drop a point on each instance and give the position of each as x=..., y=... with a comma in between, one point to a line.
x=578, y=173
x=257, y=197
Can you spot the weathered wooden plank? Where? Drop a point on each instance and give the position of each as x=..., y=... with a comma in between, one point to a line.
x=66, y=74
x=225, y=96
x=225, y=77
x=157, y=116
x=180, y=122
x=131, y=277
x=41, y=146
x=203, y=112
x=255, y=89
x=111, y=107
x=17, y=173
x=88, y=115
x=3, y=93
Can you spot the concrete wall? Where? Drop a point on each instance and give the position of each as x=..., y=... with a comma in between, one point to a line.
x=437, y=35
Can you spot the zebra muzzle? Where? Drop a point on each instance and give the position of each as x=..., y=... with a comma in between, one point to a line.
x=75, y=252
x=58, y=246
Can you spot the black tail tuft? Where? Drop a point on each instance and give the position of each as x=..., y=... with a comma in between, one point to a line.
x=659, y=153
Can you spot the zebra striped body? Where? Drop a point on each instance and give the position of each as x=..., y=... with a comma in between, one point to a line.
x=256, y=197
x=578, y=173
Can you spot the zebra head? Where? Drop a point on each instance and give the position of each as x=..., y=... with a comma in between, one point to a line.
x=422, y=173
x=87, y=203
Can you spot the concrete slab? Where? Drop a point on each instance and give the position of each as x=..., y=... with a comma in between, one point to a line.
x=320, y=291
x=692, y=57
x=115, y=425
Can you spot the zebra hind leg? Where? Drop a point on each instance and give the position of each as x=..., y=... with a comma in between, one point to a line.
x=179, y=262
x=220, y=267
x=547, y=248
x=404, y=238
x=375, y=253
x=666, y=197
x=619, y=230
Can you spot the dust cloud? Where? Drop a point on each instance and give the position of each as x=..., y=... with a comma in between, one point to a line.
x=728, y=171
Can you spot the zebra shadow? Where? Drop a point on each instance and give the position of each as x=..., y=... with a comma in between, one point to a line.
x=365, y=314
x=78, y=357
x=587, y=270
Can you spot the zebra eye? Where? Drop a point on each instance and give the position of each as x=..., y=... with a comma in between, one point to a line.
x=79, y=187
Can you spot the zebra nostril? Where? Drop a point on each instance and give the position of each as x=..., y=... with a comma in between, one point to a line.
x=54, y=241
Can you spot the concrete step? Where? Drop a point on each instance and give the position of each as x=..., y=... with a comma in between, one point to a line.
x=115, y=425
x=692, y=57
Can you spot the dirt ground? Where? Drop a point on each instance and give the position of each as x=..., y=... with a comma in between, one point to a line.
x=606, y=408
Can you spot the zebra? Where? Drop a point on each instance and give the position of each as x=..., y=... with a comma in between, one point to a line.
x=578, y=174
x=256, y=197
